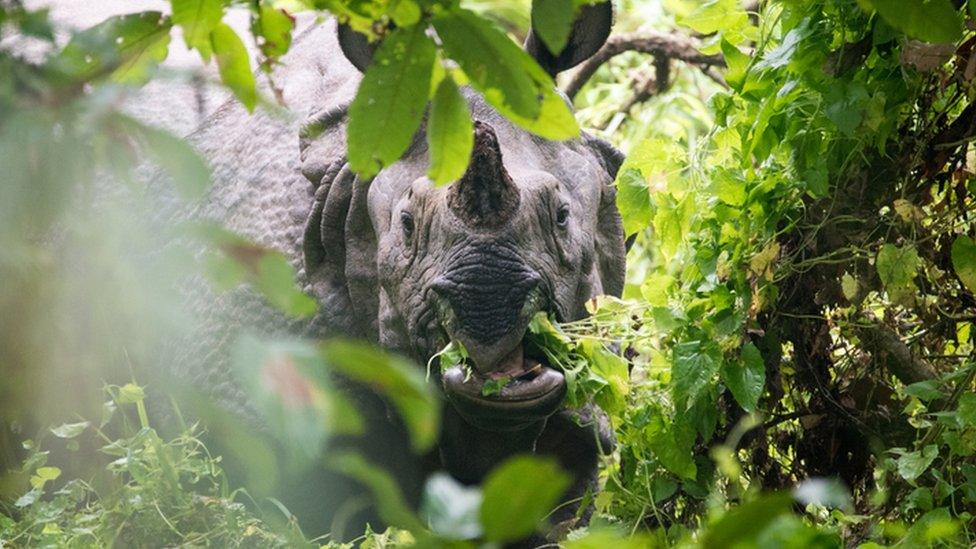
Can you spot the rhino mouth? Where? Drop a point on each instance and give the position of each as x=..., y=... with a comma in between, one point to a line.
x=523, y=390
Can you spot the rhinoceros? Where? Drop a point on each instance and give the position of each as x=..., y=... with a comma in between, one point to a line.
x=531, y=226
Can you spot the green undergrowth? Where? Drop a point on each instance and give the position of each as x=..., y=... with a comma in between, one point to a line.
x=148, y=492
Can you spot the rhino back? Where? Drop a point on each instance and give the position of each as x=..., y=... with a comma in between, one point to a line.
x=259, y=191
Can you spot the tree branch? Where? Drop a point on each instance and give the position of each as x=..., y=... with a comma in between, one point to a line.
x=671, y=46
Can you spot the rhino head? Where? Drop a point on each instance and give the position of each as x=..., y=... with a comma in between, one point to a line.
x=531, y=226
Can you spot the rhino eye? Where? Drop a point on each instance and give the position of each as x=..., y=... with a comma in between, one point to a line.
x=562, y=216
x=407, y=221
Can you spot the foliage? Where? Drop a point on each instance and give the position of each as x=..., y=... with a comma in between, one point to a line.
x=799, y=303
x=151, y=491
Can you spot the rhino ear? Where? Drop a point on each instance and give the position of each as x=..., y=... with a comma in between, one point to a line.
x=590, y=31
x=610, y=242
x=356, y=46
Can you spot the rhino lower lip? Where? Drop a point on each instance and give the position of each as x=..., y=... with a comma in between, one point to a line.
x=528, y=398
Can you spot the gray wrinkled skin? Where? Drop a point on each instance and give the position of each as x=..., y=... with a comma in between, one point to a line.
x=407, y=285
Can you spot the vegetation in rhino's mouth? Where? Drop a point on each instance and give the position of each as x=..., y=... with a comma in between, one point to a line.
x=592, y=371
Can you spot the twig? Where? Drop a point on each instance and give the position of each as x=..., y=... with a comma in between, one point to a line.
x=671, y=46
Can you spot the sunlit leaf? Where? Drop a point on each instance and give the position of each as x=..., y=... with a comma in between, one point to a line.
x=911, y=465
x=450, y=134
x=552, y=20
x=928, y=20
x=234, y=64
x=274, y=27
x=198, y=18
x=964, y=261
x=389, y=104
x=70, y=430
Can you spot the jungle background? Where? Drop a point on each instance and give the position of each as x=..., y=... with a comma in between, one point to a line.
x=796, y=351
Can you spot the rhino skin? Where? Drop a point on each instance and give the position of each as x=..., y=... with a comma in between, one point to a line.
x=531, y=226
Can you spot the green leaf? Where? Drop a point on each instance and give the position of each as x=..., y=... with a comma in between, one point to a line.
x=672, y=442
x=190, y=174
x=966, y=411
x=389, y=104
x=633, y=200
x=127, y=48
x=845, y=105
x=450, y=134
x=743, y=524
x=964, y=261
x=276, y=281
x=613, y=369
x=552, y=21
x=274, y=27
x=198, y=18
x=729, y=187
x=389, y=500
x=555, y=121
x=912, y=464
x=602, y=538
x=234, y=64
x=896, y=269
x=518, y=495
x=452, y=508
x=924, y=390
x=285, y=381
x=692, y=370
x=927, y=20
x=395, y=378
x=130, y=393
x=496, y=66
x=43, y=475
x=720, y=16
x=70, y=430
x=746, y=377
x=737, y=63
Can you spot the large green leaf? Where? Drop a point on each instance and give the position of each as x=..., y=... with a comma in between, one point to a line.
x=964, y=261
x=394, y=378
x=235, y=64
x=389, y=105
x=451, y=508
x=284, y=381
x=518, y=495
x=125, y=47
x=746, y=377
x=189, y=173
x=552, y=20
x=198, y=18
x=555, y=120
x=928, y=20
x=693, y=368
x=496, y=66
x=743, y=524
x=911, y=465
x=387, y=496
x=633, y=200
x=450, y=134
x=896, y=269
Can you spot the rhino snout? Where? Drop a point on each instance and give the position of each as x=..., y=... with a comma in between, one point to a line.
x=487, y=303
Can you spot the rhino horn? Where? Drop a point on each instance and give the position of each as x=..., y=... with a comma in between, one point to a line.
x=485, y=196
